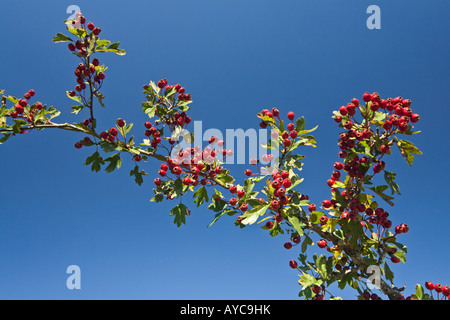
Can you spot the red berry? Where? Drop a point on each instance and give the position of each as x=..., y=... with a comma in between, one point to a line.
x=113, y=131
x=243, y=207
x=323, y=220
x=287, y=183
x=158, y=182
x=291, y=115
x=326, y=203
x=71, y=47
x=96, y=31
x=342, y=154
x=90, y=26
x=23, y=103
x=162, y=173
x=288, y=245
x=137, y=157
x=446, y=290
x=120, y=123
x=316, y=289
x=367, y=97
x=19, y=109
x=293, y=264
x=294, y=134
x=415, y=117
x=291, y=126
x=240, y=193
x=248, y=172
x=287, y=142
x=322, y=243
x=312, y=207
x=78, y=145
x=275, y=112
x=275, y=204
x=394, y=259
x=233, y=201
x=343, y=111
x=281, y=192
x=87, y=140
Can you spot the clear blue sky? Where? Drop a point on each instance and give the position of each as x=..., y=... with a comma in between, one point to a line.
x=235, y=58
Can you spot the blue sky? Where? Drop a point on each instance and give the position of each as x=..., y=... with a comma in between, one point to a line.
x=235, y=58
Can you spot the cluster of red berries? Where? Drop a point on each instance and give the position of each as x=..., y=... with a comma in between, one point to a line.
x=196, y=165
x=172, y=119
x=287, y=136
x=438, y=288
x=280, y=182
x=85, y=142
x=182, y=95
x=20, y=111
x=79, y=47
x=87, y=74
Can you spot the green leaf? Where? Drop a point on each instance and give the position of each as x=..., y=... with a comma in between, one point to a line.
x=114, y=162
x=388, y=273
x=253, y=214
x=296, y=223
x=4, y=138
x=315, y=216
x=12, y=99
x=76, y=109
x=180, y=212
x=307, y=241
x=217, y=206
x=150, y=110
x=379, y=191
x=300, y=124
x=137, y=175
x=390, y=179
x=408, y=149
x=302, y=132
x=100, y=98
x=218, y=215
x=61, y=38
x=103, y=42
x=201, y=195
x=322, y=267
x=114, y=47
x=307, y=280
x=75, y=98
x=419, y=292
x=81, y=33
x=224, y=178
x=96, y=160
x=400, y=255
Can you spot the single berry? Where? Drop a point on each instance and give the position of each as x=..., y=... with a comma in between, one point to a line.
x=293, y=264
x=322, y=243
x=120, y=122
